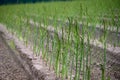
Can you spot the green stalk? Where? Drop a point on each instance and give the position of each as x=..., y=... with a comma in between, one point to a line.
x=58, y=56
x=35, y=40
x=63, y=56
x=88, y=63
x=103, y=67
x=77, y=49
x=52, y=53
x=71, y=66
x=47, y=46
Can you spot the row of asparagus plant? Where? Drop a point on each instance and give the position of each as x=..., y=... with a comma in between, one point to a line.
x=68, y=55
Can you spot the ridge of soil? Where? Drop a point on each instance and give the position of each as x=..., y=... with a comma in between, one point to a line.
x=30, y=67
x=10, y=69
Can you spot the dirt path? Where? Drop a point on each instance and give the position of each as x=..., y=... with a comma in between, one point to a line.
x=9, y=68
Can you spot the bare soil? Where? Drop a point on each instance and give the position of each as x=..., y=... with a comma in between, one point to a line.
x=9, y=68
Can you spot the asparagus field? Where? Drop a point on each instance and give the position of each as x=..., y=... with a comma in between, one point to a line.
x=79, y=40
